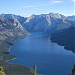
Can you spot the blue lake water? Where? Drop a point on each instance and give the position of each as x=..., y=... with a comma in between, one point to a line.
x=50, y=58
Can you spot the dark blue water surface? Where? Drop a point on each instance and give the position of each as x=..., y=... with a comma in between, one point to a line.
x=50, y=58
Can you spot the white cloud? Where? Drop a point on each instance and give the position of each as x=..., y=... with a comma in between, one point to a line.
x=55, y=1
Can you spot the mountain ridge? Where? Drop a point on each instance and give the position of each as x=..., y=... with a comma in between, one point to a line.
x=47, y=22
x=10, y=30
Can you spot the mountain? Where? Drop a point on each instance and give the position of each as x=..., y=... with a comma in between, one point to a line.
x=10, y=31
x=72, y=18
x=47, y=22
x=12, y=27
x=17, y=17
x=65, y=37
x=43, y=23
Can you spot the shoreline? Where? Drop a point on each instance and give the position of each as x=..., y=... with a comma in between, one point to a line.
x=10, y=60
x=13, y=44
x=6, y=58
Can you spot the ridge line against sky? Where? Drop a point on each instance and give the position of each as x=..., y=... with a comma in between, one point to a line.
x=29, y=7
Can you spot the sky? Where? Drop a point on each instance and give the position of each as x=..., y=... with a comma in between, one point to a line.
x=28, y=7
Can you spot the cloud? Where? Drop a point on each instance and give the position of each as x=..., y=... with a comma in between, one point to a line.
x=55, y=1
x=52, y=2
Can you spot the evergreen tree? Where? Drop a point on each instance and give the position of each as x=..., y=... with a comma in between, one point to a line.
x=73, y=70
x=35, y=69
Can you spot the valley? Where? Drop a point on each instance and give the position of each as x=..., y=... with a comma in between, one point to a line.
x=54, y=28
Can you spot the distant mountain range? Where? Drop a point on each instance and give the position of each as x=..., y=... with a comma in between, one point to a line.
x=13, y=27
x=44, y=22
x=48, y=22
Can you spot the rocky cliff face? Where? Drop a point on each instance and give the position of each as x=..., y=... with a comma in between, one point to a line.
x=44, y=22
x=47, y=22
x=10, y=30
x=17, y=17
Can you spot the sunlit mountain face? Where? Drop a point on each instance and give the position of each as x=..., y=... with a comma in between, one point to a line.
x=48, y=22
x=10, y=31
x=43, y=22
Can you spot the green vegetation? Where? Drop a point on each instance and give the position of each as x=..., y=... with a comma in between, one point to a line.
x=11, y=69
x=2, y=71
x=73, y=70
x=35, y=68
x=10, y=31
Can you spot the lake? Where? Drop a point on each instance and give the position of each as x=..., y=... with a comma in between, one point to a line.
x=50, y=58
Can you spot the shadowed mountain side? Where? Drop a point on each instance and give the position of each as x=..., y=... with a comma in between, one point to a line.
x=65, y=38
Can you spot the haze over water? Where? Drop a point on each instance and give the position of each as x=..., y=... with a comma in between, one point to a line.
x=50, y=58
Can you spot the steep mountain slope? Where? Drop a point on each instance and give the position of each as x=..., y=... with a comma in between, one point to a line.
x=11, y=16
x=46, y=22
x=10, y=30
x=65, y=38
